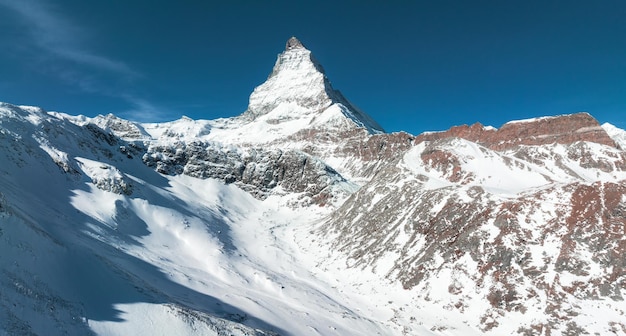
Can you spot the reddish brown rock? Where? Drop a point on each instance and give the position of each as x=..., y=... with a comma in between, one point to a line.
x=564, y=129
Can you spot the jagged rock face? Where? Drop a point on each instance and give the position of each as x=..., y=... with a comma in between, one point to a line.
x=540, y=131
x=537, y=230
x=293, y=43
x=257, y=171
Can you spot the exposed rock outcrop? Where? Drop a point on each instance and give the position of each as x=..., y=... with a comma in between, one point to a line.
x=293, y=43
x=255, y=170
x=564, y=129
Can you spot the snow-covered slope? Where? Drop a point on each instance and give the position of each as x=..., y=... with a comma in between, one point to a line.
x=618, y=135
x=96, y=241
x=524, y=240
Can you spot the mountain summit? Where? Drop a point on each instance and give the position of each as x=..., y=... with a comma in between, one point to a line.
x=298, y=89
x=293, y=43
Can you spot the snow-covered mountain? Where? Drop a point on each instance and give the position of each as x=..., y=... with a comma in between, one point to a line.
x=526, y=240
x=302, y=217
x=297, y=95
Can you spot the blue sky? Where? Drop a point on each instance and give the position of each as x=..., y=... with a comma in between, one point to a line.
x=412, y=65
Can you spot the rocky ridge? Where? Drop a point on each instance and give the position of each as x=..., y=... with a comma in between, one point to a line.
x=563, y=129
x=257, y=171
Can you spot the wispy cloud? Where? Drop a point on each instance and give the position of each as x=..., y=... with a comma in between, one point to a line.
x=54, y=34
x=145, y=111
x=68, y=57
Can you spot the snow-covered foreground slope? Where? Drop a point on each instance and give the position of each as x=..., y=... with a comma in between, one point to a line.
x=96, y=241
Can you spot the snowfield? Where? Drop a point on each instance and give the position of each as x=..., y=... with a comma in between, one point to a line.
x=115, y=248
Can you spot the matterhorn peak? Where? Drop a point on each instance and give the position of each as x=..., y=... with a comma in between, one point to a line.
x=298, y=89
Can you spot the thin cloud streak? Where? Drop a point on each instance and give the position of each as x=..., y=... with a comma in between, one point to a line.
x=52, y=33
x=62, y=45
x=145, y=111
